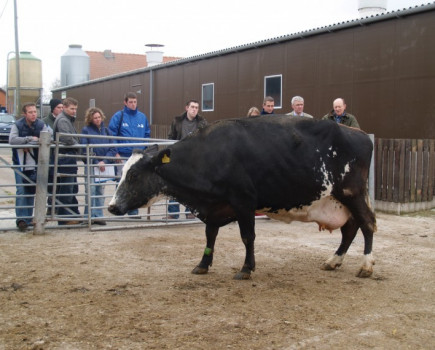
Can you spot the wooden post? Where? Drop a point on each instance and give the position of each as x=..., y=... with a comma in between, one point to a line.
x=419, y=179
x=407, y=171
x=372, y=174
x=42, y=183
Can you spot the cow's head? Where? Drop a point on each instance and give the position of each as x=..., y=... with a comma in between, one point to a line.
x=139, y=186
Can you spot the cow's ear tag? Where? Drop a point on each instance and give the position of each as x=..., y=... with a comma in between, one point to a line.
x=165, y=159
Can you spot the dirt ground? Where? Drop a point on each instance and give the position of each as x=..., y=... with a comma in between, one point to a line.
x=75, y=289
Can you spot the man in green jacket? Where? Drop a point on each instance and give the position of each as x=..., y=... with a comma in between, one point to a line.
x=339, y=115
x=56, y=108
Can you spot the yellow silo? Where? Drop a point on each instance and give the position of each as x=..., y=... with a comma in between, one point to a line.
x=30, y=80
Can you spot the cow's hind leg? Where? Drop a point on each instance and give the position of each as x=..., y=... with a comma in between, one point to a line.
x=368, y=228
x=247, y=232
x=211, y=233
x=348, y=233
x=366, y=220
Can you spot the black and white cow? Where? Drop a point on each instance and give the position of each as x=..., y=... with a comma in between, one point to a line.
x=287, y=168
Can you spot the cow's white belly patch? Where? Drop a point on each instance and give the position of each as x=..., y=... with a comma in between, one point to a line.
x=328, y=212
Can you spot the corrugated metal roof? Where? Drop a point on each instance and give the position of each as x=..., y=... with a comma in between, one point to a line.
x=294, y=36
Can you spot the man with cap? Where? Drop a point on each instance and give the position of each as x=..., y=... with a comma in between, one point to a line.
x=56, y=107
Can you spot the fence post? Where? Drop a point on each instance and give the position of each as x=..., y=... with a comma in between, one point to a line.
x=42, y=183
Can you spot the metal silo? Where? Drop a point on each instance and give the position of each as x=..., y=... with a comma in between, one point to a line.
x=30, y=81
x=74, y=67
x=368, y=8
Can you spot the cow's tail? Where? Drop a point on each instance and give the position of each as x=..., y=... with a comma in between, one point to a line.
x=369, y=205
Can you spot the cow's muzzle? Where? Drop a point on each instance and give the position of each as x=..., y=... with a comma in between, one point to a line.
x=115, y=210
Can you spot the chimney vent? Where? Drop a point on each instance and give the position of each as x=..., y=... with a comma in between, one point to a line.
x=154, y=57
x=108, y=54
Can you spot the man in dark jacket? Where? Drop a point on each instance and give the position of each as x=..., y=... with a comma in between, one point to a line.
x=187, y=123
x=339, y=115
x=181, y=127
x=26, y=131
x=268, y=105
x=67, y=184
x=56, y=108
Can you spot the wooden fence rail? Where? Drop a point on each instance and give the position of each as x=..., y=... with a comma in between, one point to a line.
x=160, y=131
x=404, y=170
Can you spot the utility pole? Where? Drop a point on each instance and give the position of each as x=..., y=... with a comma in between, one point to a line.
x=17, y=64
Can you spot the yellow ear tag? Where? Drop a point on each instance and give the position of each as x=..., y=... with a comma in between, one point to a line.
x=166, y=159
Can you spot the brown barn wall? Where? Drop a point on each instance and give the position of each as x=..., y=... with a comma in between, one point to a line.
x=385, y=71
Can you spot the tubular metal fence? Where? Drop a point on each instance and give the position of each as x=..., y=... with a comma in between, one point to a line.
x=402, y=174
x=48, y=200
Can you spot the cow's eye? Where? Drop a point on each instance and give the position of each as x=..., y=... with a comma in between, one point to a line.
x=131, y=176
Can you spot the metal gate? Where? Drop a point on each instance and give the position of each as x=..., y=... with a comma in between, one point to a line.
x=48, y=200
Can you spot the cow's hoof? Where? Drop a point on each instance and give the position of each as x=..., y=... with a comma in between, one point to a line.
x=328, y=267
x=366, y=269
x=364, y=273
x=332, y=263
x=200, y=270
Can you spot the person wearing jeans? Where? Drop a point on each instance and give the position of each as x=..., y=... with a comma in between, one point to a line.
x=94, y=120
x=129, y=123
x=24, y=132
x=67, y=164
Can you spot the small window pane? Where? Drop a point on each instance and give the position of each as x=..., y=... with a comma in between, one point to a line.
x=208, y=97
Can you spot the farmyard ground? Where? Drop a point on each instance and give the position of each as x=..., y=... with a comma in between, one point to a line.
x=75, y=289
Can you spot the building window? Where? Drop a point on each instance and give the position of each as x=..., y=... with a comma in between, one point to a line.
x=208, y=97
x=92, y=102
x=273, y=87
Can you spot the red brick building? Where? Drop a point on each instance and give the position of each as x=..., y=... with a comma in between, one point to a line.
x=107, y=63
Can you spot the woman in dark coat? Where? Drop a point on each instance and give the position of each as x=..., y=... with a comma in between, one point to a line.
x=94, y=120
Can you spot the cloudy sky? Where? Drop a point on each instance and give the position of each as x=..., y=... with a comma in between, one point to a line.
x=187, y=28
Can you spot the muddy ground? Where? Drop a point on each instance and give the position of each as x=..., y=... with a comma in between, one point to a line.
x=76, y=289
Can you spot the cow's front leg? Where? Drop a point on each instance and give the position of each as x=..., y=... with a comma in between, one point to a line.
x=207, y=258
x=247, y=231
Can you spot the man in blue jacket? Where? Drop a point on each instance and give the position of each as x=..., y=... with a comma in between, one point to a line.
x=129, y=123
